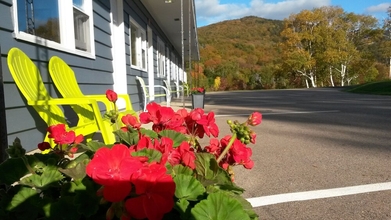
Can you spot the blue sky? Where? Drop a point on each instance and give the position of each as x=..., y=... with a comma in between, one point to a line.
x=212, y=11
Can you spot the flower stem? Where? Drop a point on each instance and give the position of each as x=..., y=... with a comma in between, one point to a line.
x=116, y=115
x=231, y=141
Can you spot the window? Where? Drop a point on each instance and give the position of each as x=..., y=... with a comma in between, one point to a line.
x=161, y=58
x=81, y=25
x=48, y=23
x=138, y=46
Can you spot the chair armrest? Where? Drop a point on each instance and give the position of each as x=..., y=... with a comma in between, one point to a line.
x=167, y=91
x=109, y=106
x=163, y=87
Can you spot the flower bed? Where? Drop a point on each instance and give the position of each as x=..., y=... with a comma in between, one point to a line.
x=158, y=173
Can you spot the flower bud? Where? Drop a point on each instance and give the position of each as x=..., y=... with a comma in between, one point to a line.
x=253, y=136
x=44, y=146
x=111, y=95
x=254, y=119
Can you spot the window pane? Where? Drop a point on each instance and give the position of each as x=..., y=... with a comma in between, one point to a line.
x=143, y=50
x=133, y=47
x=81, y=26
x=40, y=18
x=79, y=4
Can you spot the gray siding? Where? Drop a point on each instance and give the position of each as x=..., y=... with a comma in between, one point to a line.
x=137, y=12
x=94, y=75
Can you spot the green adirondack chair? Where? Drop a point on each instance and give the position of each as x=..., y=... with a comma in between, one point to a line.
x=29, y=81
x=65, y=80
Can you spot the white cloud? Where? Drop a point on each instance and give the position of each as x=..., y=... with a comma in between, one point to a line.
x=211, y=11
x=378, y=8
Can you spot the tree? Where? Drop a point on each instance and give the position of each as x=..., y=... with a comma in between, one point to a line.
x=386, y=44
x=300, y=47
x=325, y=40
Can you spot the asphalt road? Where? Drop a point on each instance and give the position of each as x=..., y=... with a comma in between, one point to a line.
x=314, y=139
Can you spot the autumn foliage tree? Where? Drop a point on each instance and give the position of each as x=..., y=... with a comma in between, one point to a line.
x=324, y=46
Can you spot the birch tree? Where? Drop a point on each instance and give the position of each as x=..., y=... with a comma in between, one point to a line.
x=299, y=45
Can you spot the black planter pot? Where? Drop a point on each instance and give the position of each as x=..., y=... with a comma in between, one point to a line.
x=197, y=100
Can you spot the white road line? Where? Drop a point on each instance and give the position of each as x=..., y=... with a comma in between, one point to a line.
x=282, y=113
x=318, y=194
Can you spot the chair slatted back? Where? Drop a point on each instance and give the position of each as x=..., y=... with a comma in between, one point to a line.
x=143, y=86
x=65, y=80
x=29, y=81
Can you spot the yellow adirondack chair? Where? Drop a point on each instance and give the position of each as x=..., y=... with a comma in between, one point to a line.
x=29, y=81
x=65, y=80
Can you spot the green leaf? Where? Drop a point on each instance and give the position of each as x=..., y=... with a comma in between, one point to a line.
x=149, y=133
x=86, y=199
x=182, y=206
x=64, y=208
x=232, y=187
x=87, y=203
x=18, y=170
x=130, y=137
x=77, y=173
x=245, y=204
x=209, y=172
x=180, y=169
x=219, y=206
x=23, y=196
x=247, y=207
x=93, y=146
x=49, y=176
x=188, y=187
x=86, y=184
x=177, y=137
x=152, y=154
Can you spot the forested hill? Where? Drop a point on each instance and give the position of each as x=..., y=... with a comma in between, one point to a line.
x=322, y=47
x=239, y=50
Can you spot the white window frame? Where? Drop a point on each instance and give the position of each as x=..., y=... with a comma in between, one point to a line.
x=67, y=34
x=161, y=58
x=141, y=45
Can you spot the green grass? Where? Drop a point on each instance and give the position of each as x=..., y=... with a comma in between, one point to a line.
x=375, y=88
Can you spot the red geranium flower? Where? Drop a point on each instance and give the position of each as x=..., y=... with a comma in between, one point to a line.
x=130, y=120
x=151, y=115
x=113, y=168
x=238, y=154
x=111, y=95
x=144, y=142
x=162, y=118
x=155, y=189
x=214, y=147
x=187, y=155
x=209, y=125
x=60, y=135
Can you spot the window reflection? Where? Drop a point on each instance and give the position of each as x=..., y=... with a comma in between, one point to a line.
x=79, y=4
x=40, y=18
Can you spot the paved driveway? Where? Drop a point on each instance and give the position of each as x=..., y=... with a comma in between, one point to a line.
x=311, y=140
